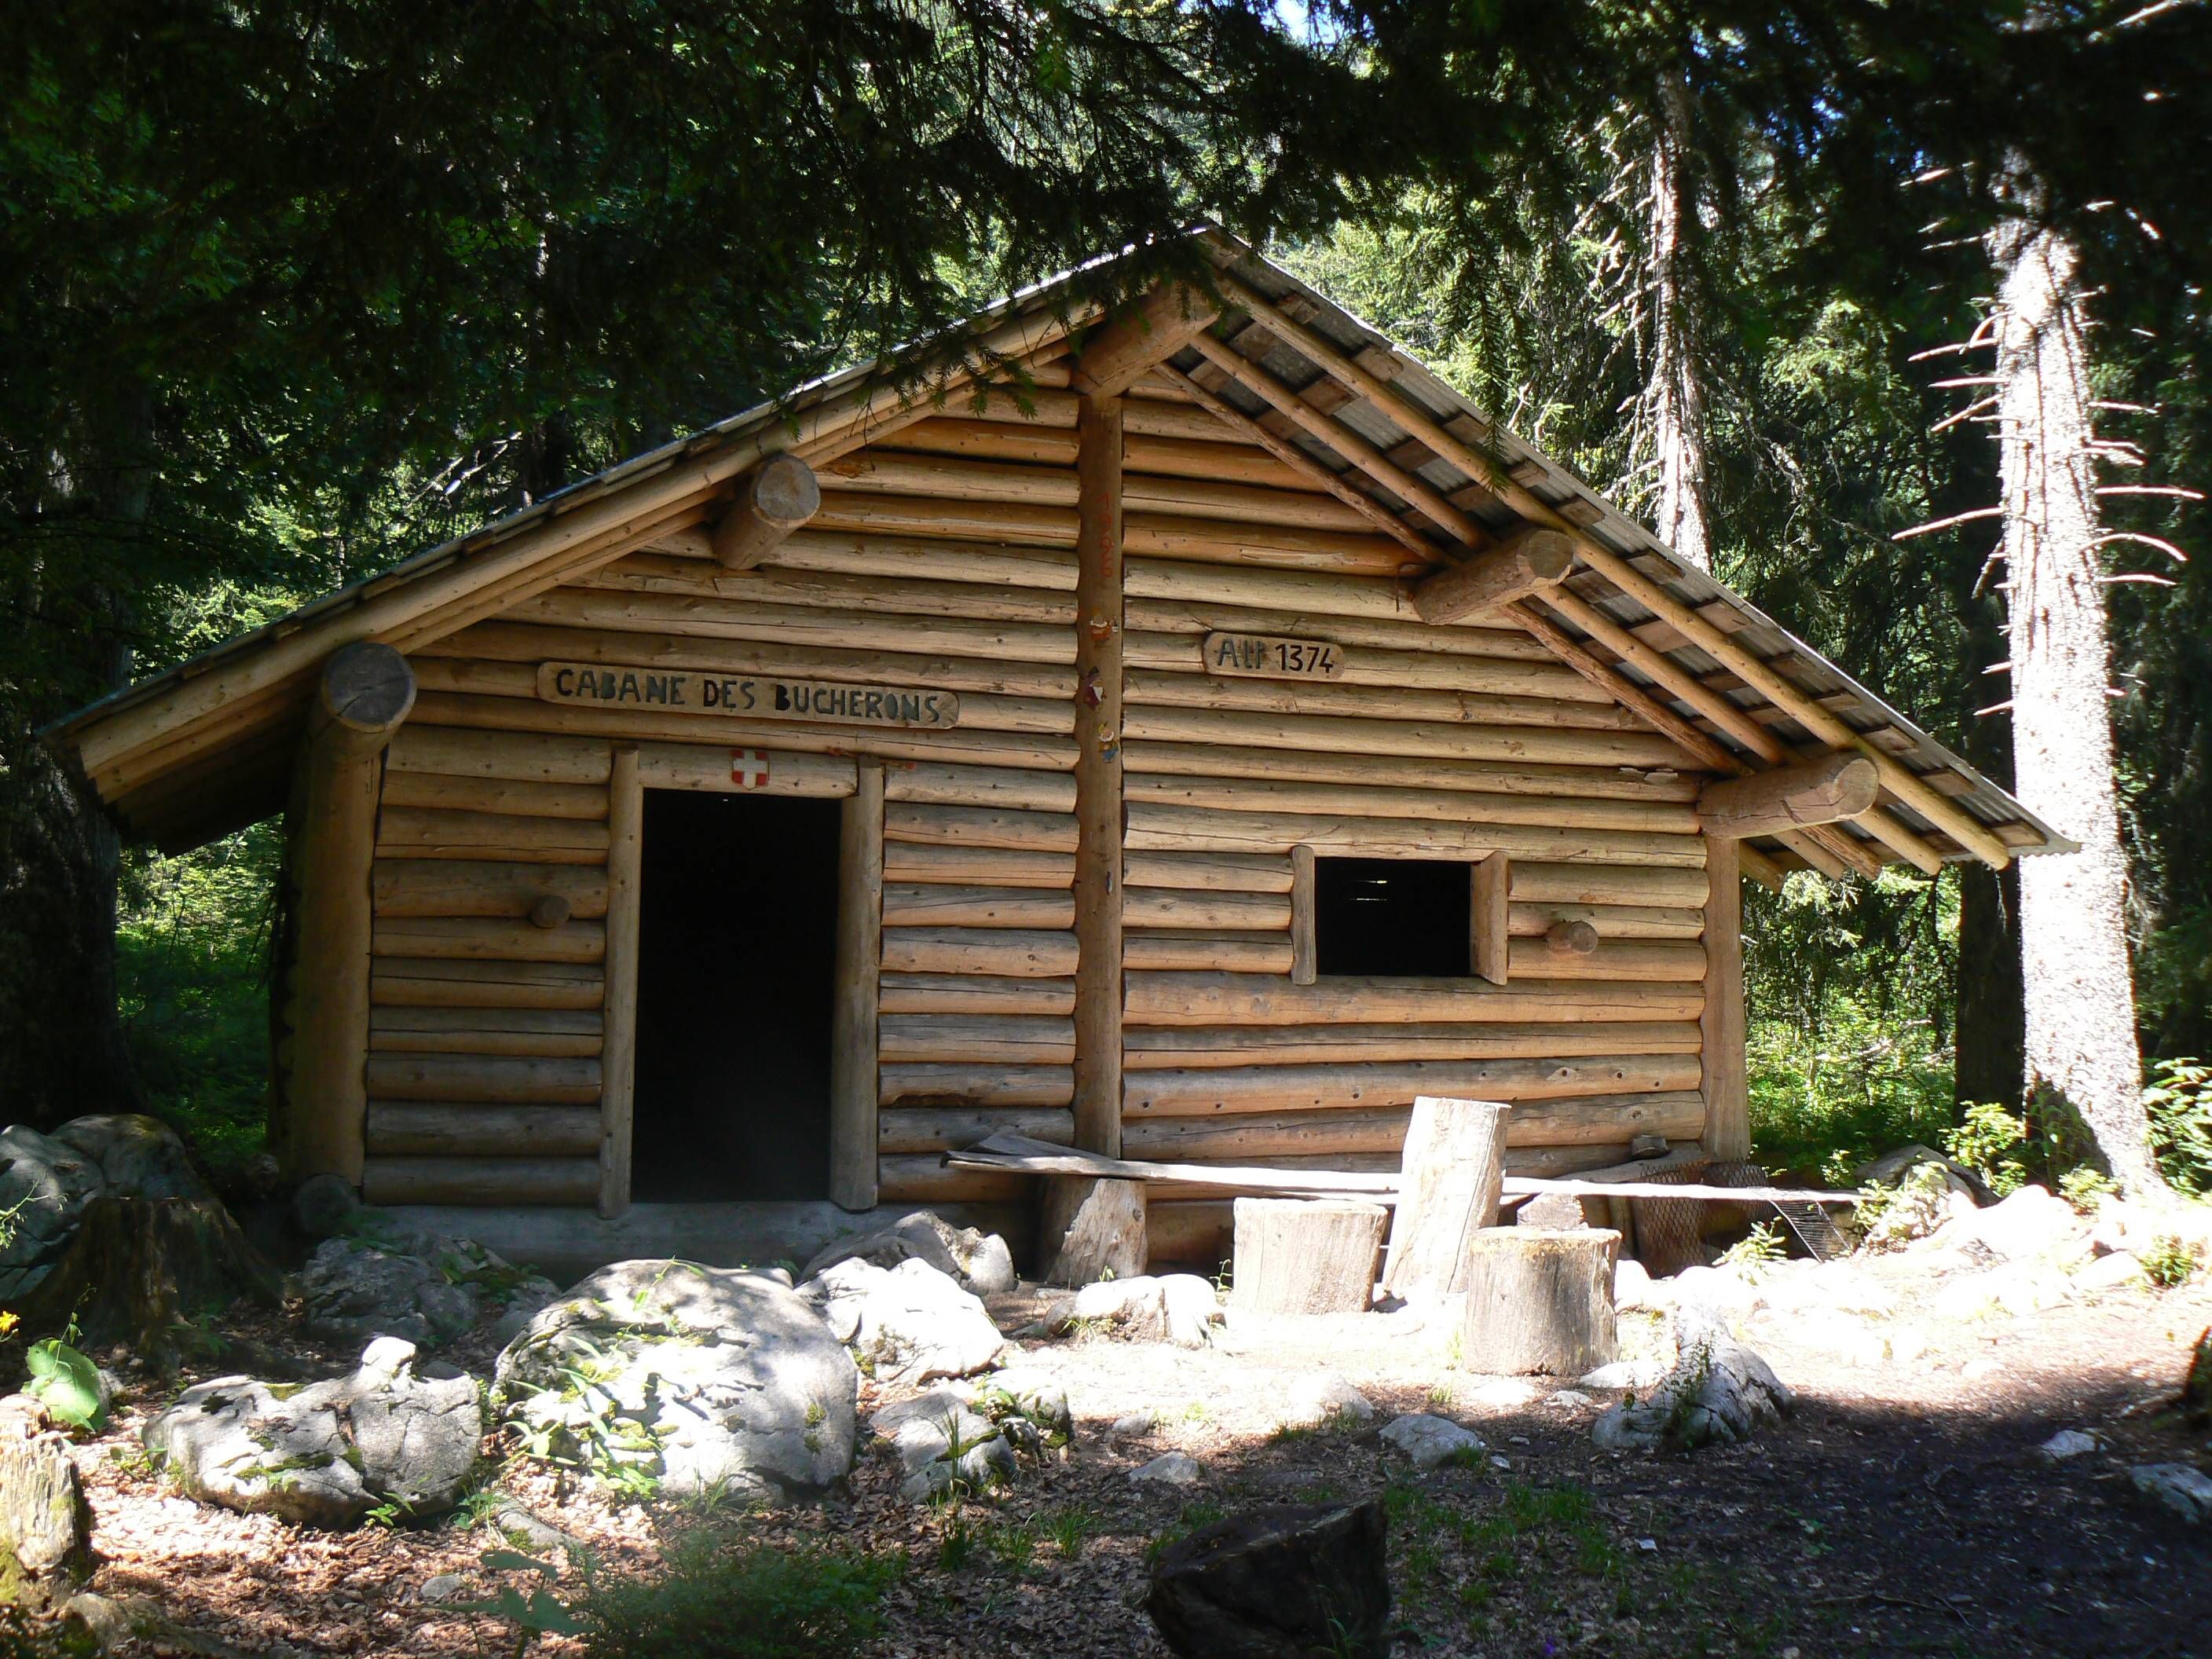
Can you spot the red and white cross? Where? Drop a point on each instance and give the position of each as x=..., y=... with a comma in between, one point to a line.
x=749, y=768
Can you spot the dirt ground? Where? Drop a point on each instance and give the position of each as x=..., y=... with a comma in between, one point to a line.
x=1903, y=1509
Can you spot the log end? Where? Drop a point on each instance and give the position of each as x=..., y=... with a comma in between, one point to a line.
x=366, y=688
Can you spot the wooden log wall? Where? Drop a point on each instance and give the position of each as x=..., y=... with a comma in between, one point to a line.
x=944, y=558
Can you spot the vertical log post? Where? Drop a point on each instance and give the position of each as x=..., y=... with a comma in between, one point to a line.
x=1721, y=1026
x=366, y=691
x=853, y=1071
x=618, y=1044
x=1454, y=1171
x=1069, y=1243
x=1305, y=938
x=1490, y=917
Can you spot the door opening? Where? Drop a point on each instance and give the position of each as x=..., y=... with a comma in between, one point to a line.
x=737, y=939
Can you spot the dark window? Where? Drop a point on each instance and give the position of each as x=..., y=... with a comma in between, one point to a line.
x=1393, y=916
x=736, y=952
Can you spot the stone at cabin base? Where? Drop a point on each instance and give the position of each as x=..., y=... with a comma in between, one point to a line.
x=1284, y=1581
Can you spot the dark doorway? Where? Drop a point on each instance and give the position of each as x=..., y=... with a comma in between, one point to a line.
x=736, y=961
x=1401, y=917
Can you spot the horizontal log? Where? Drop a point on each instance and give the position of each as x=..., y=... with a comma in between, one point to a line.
x=691, y=647
x=976, y=1085
x=924, y=1178
x=429, y=982
x=587, y=801
x=501, y=1181
x=973, y=993
x=478, y=887
x=1187, y=688
x=1535, y=882
x=425, y=1129
x=1365, y=669
x=1616, y=961
x=1500, y=645
x=1203, y=760
x=488, y=939
x=1041, y=406
x=1309, y=594
x=1242, y=953
x=980, y=785
x=1158, y=907
x=986, y=748
x=1153, y=1049
x=551, y=1033
x=1650, y=921
x=1439, y=805
x=1190, y=1232
x=957, y=864
x=710, y=767
x=1348, y=735
x=941, y=1129
x=953, y=1039
x=493, y=1080
x=417, y=747
x=1152, y=824
x=426, y=833
x=1052, y=445
x=1825, y=791
x=1216, y=999
x=866, y=576
x=1017, y=953
x=929, y=905
x=1611, y=1121
x=1200, y=1091
x=980, y=826
x=1216, y=873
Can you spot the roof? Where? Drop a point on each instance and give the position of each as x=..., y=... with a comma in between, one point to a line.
x=204, y=747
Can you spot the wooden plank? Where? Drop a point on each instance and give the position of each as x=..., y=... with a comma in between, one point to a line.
x=1346, y=735
x=1536, y=882
x=478, y=887
x=959, y=865
x=429, y=982
x=1154, y=824
x=1220, y=999
x=930, y=905
x=1493, y=880
x=1211, y=1091
x=907, y=1129
x=976, y=1085
x=494, y=1080
x=429, y=1129
x=1611, y=1121
x=1167, y=906
x=467, y=795
x=1153, y=1048
x=975, y=993
x=625, y=872
x=1270, y=795
x=1728, y=1118
x=431, y=833
x=551, y=1034
x=493, y=1181
x=488, y=939
x=1615, y=961
x=1451, y=1169
x=1244, y=953
x=528, y=758
x=1305, y=960
x=1018, y=953
x=1098, y=791
x=981, y=826
x=1221, y=872
x=714, y=769
x=1016, y=1039
x=853, y=1058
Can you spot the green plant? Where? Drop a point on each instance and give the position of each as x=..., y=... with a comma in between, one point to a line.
x=956, y=1547
x=1442, y=1395
x=2178, y=1103
x=1069, y=1528
x=1984, y=1141
x=716, y=1598
x=1197, y=1514
x=2170, y=1261
x=1761, y=1247
x=2083, y=1186
x=1012, y=1543
x=66, y=1382
x=532, y=1609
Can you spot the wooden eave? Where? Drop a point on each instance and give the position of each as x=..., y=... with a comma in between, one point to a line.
x=227, y=715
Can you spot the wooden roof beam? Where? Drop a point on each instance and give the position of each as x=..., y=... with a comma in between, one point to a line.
x=1826, y=791
x=1151, y=330
x=776, y=498
x=1532, y=561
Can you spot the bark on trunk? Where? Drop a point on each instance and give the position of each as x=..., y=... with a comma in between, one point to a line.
x=1673, y=400
x=2079, y=999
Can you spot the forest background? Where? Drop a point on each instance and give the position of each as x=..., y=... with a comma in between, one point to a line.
x=294, y=293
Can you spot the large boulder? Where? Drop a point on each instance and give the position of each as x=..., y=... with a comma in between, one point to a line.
x=699, y=1378
x=978, y=1436
x=1180, y=1309
x=1891, y=1168
x=977, y=1261
x=141, y=1157
x=423, y=1288
x=1285, y=1581
x=1718, y=1393
x=2030, y=1225
x=44, y=1184
x=395, y=1431
x=908, y=1324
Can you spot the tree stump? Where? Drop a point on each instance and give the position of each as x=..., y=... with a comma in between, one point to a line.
x=1540, y=1300
x=1291, y=1581
x=1092, y=1230
x=1298, y=1255
x=1454, y=1169
x=45, y=1525
x=141, y=1272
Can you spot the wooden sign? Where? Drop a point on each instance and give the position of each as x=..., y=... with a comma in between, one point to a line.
x=1266, y=656
x=744, y=697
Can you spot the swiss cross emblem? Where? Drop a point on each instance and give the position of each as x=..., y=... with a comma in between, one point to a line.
x=749, y=768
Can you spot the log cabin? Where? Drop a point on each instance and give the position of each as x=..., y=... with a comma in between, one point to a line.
x=1186, y=729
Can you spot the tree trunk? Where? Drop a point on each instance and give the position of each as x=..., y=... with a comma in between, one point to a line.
x=1986, y=1035
x=2079, y=999
x=1674, y=399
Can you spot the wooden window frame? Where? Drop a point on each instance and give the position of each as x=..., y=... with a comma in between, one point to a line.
x=1489, y=882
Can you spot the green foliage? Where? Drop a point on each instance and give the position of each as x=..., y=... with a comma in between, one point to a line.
x=2180, y=1103
x=66, y=1382
x=1758, y=1249
x=1984, y=1141
x=2171, y=1260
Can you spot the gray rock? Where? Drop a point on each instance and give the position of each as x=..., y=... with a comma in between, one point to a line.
x=141, y=1157
x=444, y=1587
x=324, y=1204
x=44, y=1185
x=1569, y=1399
x=45, y=1525
x=1631, y=1286
x=1281, y=1582
x=910, y=1322
x=978, y=1262
x=1626, y=1374
x=979, y=1435
x=1892, y=1167
x=1428, y=1441
x=1133, y=1426
x=706, y=1377
x=1191, y=1308
x=1311, y=1401
x=395, y=1431
x=2068, y=1443
x=1169, y=1469
x=527, y=1532
x=1037, y=1397
x=2183, y=1490
x=352, y=1290
x=1718, y=1392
